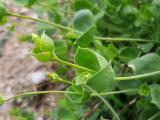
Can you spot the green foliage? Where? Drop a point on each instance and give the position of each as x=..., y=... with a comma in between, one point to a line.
x=145, y=64
x=68, y=110
x=103, y=80
x=86, y=38
x=20, y=114
x=155, y=90
x=128, y=53
x=102, y=39
x=85, y=56
x=61, y=49
x=27, y=3
x=83, y=19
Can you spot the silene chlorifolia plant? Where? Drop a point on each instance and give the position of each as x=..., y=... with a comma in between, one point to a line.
x=112, y=73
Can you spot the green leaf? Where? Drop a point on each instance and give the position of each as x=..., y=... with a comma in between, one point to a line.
x=89, y=59
x=128, y=53
x=86, y=38
x=46, y=43
x=155, y=95
x=146, y=64
x=83, y=19
x=81, y=96
x=21, y=114
x=147, y=112
x=103, y=80
x=49, y=30
x=146, y=47
x=27, y=3
x=65, y=114
x=66, y=109
x=61, y=49
x=156, y=2
x=110, y=52
x=144, y=90
x=129, y=10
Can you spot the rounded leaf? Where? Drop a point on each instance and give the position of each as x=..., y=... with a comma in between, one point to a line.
x=103, y=80
x=83, y=19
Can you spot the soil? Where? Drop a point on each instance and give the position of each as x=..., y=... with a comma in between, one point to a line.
x=19, y=72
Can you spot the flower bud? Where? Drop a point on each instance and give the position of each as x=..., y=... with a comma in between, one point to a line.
x=44, y=48
x=53, y=77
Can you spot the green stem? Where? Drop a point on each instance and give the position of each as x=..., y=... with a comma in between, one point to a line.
x=38, y=92
x=116, y=78
x=65, y=81
x=107, y=39
x=116, y=92
x=125, y=39
x=105, y=102
x=73, y=65
x=42, y=21
x=138, y=76
x=154, y=116
x=62, y=92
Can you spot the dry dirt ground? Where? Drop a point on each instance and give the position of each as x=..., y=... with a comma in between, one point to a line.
x=19, y=72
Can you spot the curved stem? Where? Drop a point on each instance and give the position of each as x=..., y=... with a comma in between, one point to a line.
x=73, y=65
x=116, y=92
x=107, y=39
x=38, y=92
x=138, y=76
x=105, y=102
